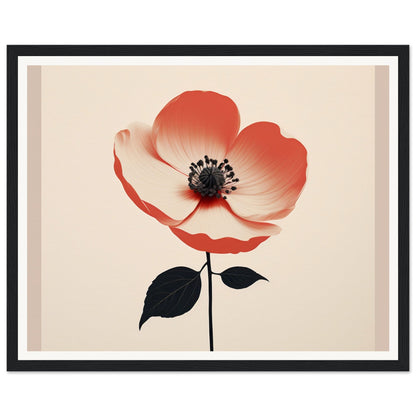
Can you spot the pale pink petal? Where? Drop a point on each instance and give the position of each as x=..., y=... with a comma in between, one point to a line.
x=214, y=228
x=195, y=124
x=271, y=171
x=155, y=187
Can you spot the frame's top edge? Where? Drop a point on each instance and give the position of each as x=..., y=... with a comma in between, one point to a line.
x=207, y=50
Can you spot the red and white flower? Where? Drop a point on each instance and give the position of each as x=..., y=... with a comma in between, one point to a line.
x=213, y=186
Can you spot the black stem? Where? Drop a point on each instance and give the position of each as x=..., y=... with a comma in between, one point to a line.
x=211, y=332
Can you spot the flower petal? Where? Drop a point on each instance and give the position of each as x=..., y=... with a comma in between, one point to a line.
x=214, y=228
x=271, y=170
x=155, y=187
x=195, y=124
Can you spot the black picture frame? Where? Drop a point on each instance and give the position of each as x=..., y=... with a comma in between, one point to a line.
x=16, y=51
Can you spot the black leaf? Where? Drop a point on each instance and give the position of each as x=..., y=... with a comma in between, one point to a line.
x=173, y=293
x=240, y=277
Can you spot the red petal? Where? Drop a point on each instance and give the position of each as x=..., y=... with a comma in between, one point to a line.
x=195, y=124
x=214, y=228
x=271, y=170
x=155, y=187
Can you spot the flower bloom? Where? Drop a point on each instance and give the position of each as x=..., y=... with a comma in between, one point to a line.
x=213, y=186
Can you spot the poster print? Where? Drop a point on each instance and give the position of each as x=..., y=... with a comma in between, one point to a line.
x=209, y=212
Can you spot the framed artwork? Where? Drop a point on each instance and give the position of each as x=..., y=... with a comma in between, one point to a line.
x=208, y=207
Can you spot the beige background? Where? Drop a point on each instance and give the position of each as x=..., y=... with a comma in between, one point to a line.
x=100, y=252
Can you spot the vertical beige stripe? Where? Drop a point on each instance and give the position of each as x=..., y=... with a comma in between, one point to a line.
x=382, y=208
x=34, y=208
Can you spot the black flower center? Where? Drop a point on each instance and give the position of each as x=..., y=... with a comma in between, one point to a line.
x=209, y=178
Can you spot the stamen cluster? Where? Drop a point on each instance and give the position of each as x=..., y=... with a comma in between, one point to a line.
x=212, y=179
